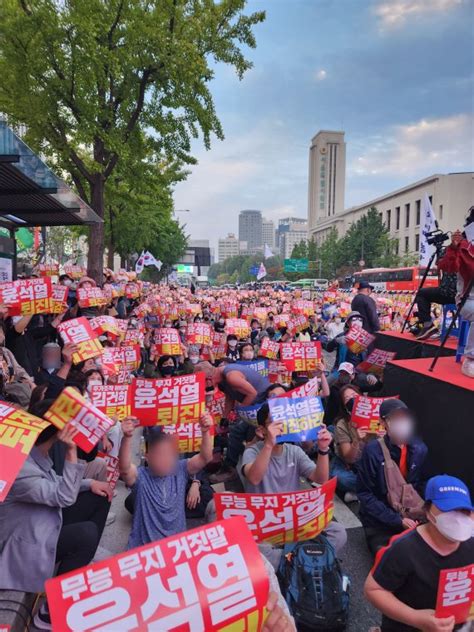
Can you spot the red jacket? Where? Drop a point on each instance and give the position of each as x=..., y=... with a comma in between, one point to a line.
x=459, y=259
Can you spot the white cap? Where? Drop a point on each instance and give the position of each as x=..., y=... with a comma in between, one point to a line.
x=347, y=367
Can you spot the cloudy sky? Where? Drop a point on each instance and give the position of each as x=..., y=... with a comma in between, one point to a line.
x=395, y=75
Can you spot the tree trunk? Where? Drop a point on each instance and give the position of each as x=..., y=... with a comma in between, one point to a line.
x=95, y=258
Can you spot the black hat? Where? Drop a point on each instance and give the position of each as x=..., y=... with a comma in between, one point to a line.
x=363, y=285
x=389, y=405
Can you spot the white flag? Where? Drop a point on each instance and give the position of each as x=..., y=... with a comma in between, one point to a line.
x=428, y=223
x=261, y=272
x=267, y=252
x=140, y=264
x=150, y=260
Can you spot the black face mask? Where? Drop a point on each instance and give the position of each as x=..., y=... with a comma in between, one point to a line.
x=350, y=404
x=167, y=370
x=209, y=389
x=344, y=379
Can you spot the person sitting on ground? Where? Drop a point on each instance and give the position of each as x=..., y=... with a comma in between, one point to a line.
x=159, y=507
x=347, y=374
x=380, y=497
x=166, y=366
x=403, y=584
x=338, y=344
x=269, y=467
x=334, y=327
x=232, y=348
x=247, y=352
x=366, y=306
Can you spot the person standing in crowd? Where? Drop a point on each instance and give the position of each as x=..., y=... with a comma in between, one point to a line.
x=403, y=584
x=365, y=305
x=390, y=474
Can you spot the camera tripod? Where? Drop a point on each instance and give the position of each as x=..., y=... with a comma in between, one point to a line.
x=436, y=253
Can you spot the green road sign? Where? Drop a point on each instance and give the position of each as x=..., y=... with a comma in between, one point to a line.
x=295, y=265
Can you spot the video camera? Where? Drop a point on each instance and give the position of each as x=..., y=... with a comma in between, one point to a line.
x=436, y=238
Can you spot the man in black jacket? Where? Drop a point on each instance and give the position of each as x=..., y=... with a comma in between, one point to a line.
x=365, y=305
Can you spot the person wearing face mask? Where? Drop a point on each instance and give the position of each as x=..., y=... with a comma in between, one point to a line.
x=334, y=327
x=338, y=344
x=93, y=378
x=403, y=584
x=247, y=352
x=232, y=351
x=391, y=476
x=219, y=325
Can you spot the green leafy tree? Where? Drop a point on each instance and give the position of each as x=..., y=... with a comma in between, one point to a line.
x=104, y=83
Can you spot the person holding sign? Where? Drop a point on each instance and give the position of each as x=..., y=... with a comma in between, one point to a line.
x=160, y=488
x=403, y=584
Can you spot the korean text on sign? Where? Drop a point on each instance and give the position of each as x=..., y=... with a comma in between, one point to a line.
x=237, y=326
x=114, y=400
x=199, y=334
x=189, y=436
x=112, y=464
x=308, y=389
x=91, y=297
x=167, y=341
x=281, y=518
x=269, y=349
x=456, y=594
x=300, y=356
x=71, y=407
x=34, y=295
x=301, y=417
x=357, y=339
x=59, y=297
x=365, y=413
x=18, y=433
x=376, y=361
x=169, y=401
x=208, y=579
x=79, y=332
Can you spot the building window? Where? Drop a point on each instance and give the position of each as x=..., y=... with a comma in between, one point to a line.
x=407, y=243
x=418, y=212
x=397, y=218
x=388, y=222
x=407, y=215
x=417, y=242
x=440, y=211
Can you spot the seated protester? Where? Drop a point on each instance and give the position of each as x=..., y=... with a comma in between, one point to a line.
x=166, y=366
x=270, y=468
x=219, y=325
x=94, y=377
x=255, y=329
x=380, y=516
x=304, y=336
x=338, y=343
x=12, y=371
x=58, y=379
x=50, y=362
x=159, y=509
x=346, y=374
x=403, y=583
x=247, y=352
x=40, y=527
x=232, y=350
x=334, y=327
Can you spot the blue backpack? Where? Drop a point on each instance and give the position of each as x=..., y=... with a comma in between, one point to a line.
x=312, y=583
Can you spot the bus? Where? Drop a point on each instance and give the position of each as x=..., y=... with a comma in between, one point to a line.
x=310, y=284
x=397, y=279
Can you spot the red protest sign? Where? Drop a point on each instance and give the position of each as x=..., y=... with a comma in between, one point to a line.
x=199, y=334
x=114, y=400
x=59, y=294
x=218, y=344
x=34, y=295
x=281, y=518
x=376, y=361
x=188, y=436
x=216, y=405
x=48, y=269
x=79, y=332
x=74, y=271
x=309, y=389
x=237, y=326
x=357, y=339
x=365, y=412
x=107, y=324
x=112, y=463
x=70, y=407
x=269, y=349
x=163, y=402
x=297, y=324
x=91, y=297
x=167, y=341
x=300, y=356
x=210, y=578
x=18, y=433
x=9, y=297
x=303, y=307
x=456, y=594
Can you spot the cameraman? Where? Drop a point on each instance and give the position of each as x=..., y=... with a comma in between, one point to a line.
x=445, y=294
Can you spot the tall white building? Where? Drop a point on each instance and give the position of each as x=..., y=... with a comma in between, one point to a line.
x=327, y=177
x=227, y=247
x=291, y=231
x=268, y=233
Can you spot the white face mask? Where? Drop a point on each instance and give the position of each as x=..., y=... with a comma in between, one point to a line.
x=454, y=525
x=232, y=343
x=401, y=430
x=356, y=322
x=67, y=282
x=194, y=359
x=337, y=321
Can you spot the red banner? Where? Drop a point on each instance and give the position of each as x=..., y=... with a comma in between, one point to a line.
x=112, y=463
x=59, y=294
x=357, y=339
x=300, y=356
x=70, y=407
x=456, y=594
x=269, y=349
x=91, y=297
x=211, y=578
x=237, y=326
x=9, y=297
x=376, y=361
x=48, y=269
x=281, y=518
x=169, y=401
x=18, y=433
x=216, y=406
x=114, y=400
x=34, y=295
x=297, y=324
x=167, y=342
x=365, y=413
x=199, y=334
x=218, y=344
x=79, y=332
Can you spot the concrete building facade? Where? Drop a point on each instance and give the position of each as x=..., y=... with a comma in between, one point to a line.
x=250, y=230
x=227, y=247
x=268, y=233
x=291, y=231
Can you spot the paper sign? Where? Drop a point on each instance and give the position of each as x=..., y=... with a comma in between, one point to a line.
x=216, y=405
x=71, y=407
x=269, y=349
x=107, y=324
x=34, y=295
x=376, y=361
x=297, y=324
x=167, y=342
x=300, y=356
x=218, y=344
x=48, y=269
x=59, y=296
x=75, y=272
x=169, y=401
x=237, y=326
x=18, y=433
x=357, y=339
x=365, y=413
x=114, y=400
x=199, y=334
x=9, y=297
x=79, y=332
x=309, y=389
x=248, y=413
x=456, y=594
x=189, y=436
x=112, y=463
x=91, y=297
x=259, y=366
x=208, y=579
x=281, y=518
x=301, y=417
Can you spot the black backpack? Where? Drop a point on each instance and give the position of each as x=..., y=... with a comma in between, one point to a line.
x=312, y=583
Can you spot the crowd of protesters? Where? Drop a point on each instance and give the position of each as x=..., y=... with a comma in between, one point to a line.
x=57, y=508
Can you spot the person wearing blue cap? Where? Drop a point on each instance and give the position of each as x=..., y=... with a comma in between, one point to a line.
x=403, y=584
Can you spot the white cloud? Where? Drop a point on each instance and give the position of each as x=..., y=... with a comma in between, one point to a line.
x=393, y=13
x=321, y=75
x=418, y=149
